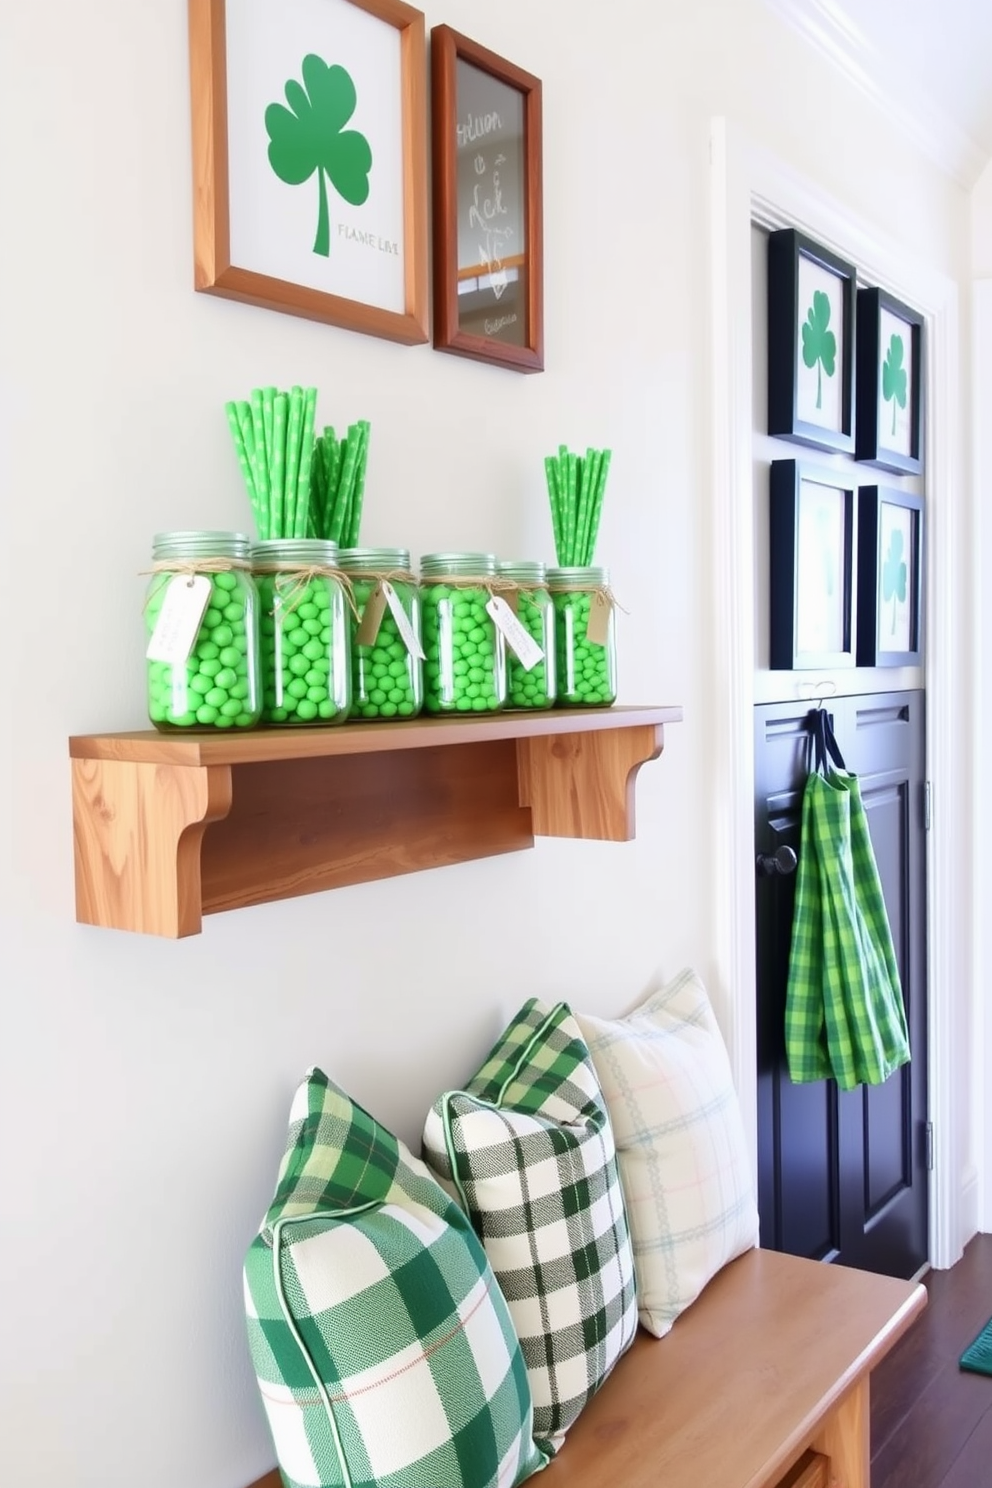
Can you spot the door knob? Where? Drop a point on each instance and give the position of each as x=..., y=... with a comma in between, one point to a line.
x=783, y=861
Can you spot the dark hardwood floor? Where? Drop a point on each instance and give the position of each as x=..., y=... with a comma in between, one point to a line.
x=931, y=1422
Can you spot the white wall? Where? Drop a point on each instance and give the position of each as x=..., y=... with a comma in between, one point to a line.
x=144, y=1085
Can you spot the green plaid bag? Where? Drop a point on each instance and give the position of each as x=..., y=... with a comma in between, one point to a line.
x=384, y=1350
x=528, y=1146
x=844, y=1015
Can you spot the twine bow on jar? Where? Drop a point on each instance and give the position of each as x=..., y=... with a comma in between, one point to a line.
x=165, y=570
x=302, y=576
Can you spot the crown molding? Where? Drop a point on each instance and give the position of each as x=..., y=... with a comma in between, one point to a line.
x=836, y=35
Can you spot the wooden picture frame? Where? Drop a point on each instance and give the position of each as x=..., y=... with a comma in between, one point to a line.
x=811, y=343
x=812, y=570
x=258, y=194
x=487, y=163
x=890, y=577
x=890, y=383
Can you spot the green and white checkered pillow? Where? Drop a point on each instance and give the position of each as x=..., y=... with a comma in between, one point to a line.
x=529, y=1149
x=680, y=1142
x=383, y=1348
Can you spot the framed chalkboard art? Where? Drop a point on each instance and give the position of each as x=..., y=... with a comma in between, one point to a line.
x=488, y=219
x=310, y=159
x=811, y=320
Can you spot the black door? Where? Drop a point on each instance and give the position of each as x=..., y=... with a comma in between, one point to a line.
x=843, y=1175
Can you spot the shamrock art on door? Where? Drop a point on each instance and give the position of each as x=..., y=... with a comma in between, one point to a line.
x=895, y=383
x=895, y=552
x=821, y=350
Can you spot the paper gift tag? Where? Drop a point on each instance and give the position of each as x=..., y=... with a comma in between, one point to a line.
x=598, y=624
x=520, y=641
x=375, y=608
x=407, y=633
x=174, y=636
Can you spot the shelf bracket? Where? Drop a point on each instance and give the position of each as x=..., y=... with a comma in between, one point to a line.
x=137, y=830
x=582, y=784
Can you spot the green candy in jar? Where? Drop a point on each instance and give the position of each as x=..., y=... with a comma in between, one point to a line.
x=587, y=665
x=533, y=687
x=465, y=655
x=305, y=636
x=214, y=686
x=387, y=679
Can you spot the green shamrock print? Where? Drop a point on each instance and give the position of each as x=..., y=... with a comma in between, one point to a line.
x=819, y=342
x=894, y=379
x=894, y=575
x=310, y=136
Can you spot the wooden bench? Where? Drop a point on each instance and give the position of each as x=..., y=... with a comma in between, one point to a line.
x=762, y=1383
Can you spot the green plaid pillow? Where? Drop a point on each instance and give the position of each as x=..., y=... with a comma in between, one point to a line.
x=529, y=1148
x=384, y=1351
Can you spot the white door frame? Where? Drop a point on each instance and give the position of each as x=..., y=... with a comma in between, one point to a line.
x=982, y=566
x=747, y=185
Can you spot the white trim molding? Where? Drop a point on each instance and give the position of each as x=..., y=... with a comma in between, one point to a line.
x=836, y=35
x=747, y=186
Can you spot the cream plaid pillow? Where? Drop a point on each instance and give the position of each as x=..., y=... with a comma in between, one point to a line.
x=680, y=1143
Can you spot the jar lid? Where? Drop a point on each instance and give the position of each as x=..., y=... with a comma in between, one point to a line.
x=387, y=559
x=472, y=565
x=579, y=578
x=523, y=570
x=192, y=545
x=313, y=551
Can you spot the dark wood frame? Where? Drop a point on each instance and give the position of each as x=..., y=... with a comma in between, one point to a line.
x=783, y=514
x=871, y=651
x=213, y=269
x=870, y=447
x=785, y=248
x=447, y=47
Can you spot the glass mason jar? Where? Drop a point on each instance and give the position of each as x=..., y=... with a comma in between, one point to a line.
x=587, y=668
x=387, y=677
x=305, y=632
x=217, y=685
x=465, y=669
x=535, y=611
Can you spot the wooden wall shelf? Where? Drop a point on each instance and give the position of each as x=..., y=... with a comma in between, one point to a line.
x=168, y=828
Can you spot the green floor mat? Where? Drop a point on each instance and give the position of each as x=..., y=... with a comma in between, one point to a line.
x=979, y=1356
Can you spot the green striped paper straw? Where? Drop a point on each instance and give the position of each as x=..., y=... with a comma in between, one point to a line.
x=572, y=469
x=283, y=502
x=231, y=409
x=294, y=420
x=351, y=472
x=243, y=413
x=332, y=465
x=305, y=440
x=358, y=496
x=603, y=466
x=268, y=414
x=582, y=513
x=551, y=475
x=592, y=516
x=261, y=459
x=318, y=487
x=342, y=506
